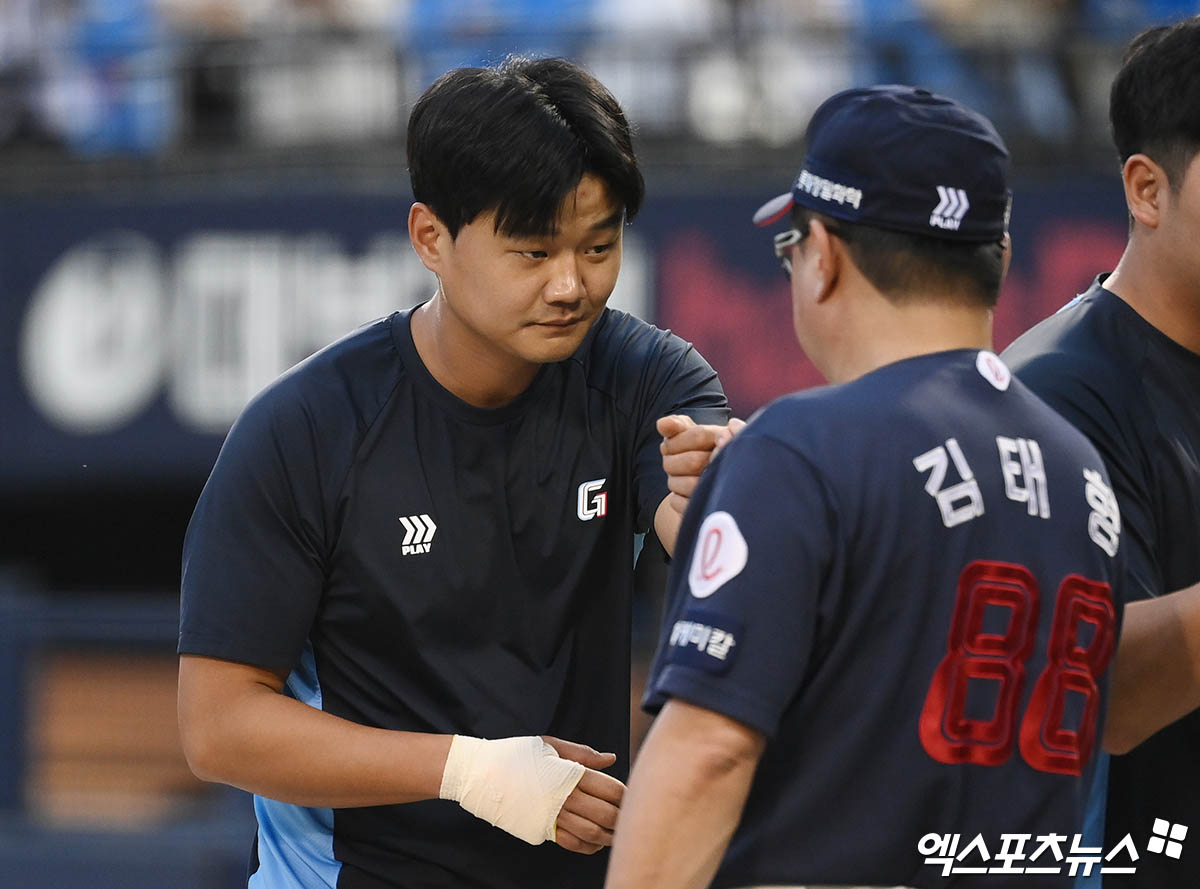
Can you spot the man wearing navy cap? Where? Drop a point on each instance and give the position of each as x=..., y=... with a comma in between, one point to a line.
x=892, y=610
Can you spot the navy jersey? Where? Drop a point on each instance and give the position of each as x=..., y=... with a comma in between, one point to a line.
x=905, y=583
x=422, y=564
x=1136, y=394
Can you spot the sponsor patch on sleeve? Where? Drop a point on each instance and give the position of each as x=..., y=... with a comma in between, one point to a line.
x=719, y=556
x=704, y=641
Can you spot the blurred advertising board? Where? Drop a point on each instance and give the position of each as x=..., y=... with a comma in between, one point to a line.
x=132, y=331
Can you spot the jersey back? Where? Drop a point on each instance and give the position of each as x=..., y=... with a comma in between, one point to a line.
x=906, y=583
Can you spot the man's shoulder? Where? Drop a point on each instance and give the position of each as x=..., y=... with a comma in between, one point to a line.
x=810, y=421
x=1084, y=339
x=883, y=410
x=623, y=352
x=619, y=337
x=347, y=381
x=1085, y=361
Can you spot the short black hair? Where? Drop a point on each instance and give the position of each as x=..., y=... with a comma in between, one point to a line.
x=905, y=266
x=1154, y=105
x=516, y=139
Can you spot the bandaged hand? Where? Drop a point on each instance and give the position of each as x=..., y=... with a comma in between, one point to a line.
x=526, y=788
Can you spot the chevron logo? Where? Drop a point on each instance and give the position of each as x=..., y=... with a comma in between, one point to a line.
x=952, y=207
x=418, y=534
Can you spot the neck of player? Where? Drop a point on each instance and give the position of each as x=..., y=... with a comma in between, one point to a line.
x=468, y=366
x=1159, y=287
x=887, y=333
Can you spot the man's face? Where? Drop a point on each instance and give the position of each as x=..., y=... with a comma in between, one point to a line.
x=1181, y=222
x=807, y=313
x=535, y=298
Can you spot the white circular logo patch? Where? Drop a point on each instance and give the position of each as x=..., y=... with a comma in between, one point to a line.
x=992, y=369
x=719, y=556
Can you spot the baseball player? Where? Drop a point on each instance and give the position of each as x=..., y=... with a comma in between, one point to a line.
x=893, y=606
x=406, y=586
x=1122, y=363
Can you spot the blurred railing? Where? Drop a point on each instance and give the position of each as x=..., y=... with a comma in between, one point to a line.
x=138, y=96
x=93, y=787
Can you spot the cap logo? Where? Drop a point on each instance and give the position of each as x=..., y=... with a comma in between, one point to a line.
x=827, y=190
x=952, y=207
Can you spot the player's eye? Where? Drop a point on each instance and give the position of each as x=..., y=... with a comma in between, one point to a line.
x=534, y=254
x=600, y=249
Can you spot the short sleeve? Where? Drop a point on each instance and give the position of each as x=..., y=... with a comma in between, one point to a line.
x=744, y=592
x=253, y=556
x=1082, y=400
x=680, y=382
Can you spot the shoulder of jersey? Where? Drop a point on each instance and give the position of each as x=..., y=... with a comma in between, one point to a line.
x=358, y=369
x=810, y=415
x=1083, y=329
x=617, y=349
x=615, y=330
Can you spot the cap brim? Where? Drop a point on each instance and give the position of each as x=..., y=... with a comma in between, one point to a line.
x=774, y=210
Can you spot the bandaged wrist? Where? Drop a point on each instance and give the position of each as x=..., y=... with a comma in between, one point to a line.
x=516, y=784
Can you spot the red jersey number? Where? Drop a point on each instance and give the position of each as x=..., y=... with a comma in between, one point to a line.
x=949, y=735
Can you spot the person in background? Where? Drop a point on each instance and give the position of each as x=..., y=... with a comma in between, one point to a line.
x=1122, y=363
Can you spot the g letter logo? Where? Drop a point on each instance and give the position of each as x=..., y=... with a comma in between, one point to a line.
x=592, y=501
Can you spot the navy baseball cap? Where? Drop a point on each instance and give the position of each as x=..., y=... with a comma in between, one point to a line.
x=905, y=159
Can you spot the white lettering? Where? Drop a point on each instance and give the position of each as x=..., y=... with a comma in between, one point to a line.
x=1104, y=522
x=950, y=500
x=1021, y=460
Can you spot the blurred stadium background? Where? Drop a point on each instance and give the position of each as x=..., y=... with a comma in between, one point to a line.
x=195, y=194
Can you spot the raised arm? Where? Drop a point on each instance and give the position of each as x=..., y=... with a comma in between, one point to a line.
x=687, y=449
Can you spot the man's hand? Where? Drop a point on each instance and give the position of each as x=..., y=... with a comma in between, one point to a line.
x=589, y=815
x=687, y=449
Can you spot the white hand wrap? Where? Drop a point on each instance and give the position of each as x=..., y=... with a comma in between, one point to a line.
x=517, y=784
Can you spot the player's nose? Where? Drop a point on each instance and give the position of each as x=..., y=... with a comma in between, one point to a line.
x=565, y=285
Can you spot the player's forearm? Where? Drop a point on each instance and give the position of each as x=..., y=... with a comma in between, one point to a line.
x=267, y=743
x=685, y=797
x=1156, y=673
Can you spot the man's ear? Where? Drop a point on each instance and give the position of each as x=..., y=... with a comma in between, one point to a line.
x=1146, y=189
x=429, y=236
x=827, y=254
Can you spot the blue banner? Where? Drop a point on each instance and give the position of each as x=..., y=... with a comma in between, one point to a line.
x=133, y=331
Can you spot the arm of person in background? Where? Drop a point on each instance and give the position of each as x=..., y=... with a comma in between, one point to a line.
x=1156, y=673
x=239, y=728
x=687, y=791
x=687, y=449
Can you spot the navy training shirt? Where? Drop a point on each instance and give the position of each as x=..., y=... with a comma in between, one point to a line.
x=905, y=583
x=422, y=564
x=1135, y=393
